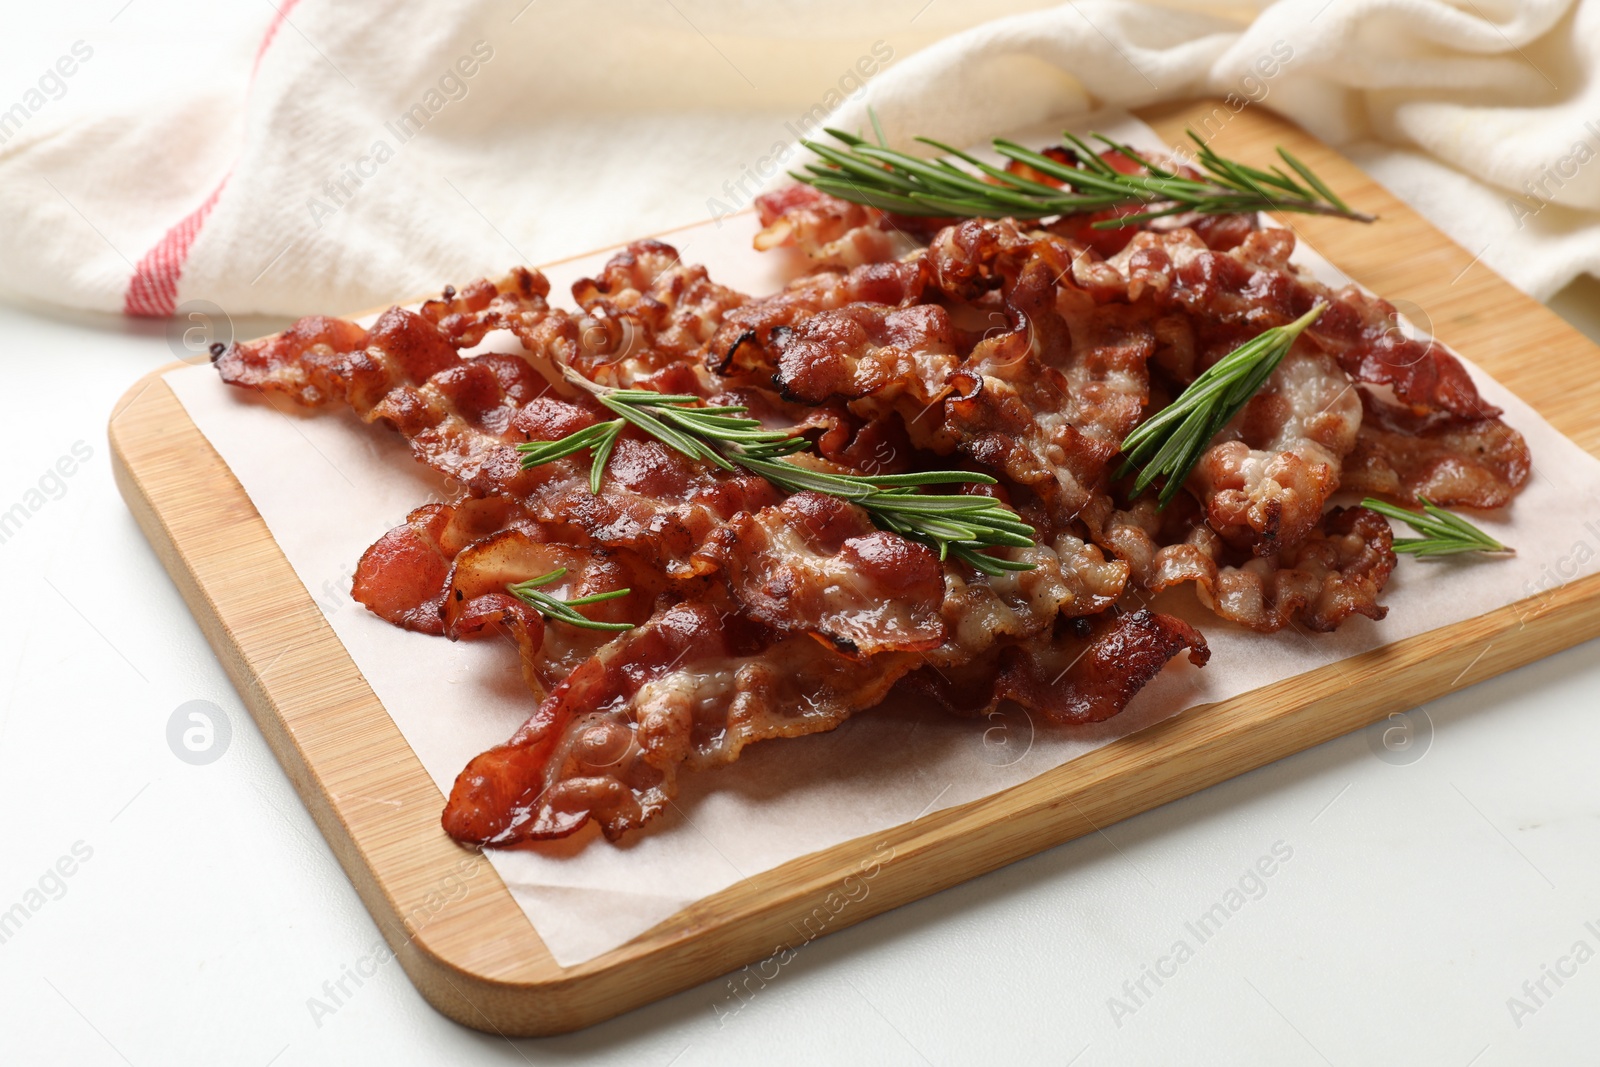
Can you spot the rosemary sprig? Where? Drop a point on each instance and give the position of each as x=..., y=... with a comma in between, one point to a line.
x=1171, y=442
x=601, y=437
x=562, y=610
x=881, y=177
x=959, y=525
x=1443, y=533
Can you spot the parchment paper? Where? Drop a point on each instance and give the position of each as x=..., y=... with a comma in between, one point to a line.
x=329, y=486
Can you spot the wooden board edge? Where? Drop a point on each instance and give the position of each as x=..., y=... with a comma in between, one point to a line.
x=456, y=990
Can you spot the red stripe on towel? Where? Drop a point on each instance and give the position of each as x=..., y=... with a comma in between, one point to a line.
x=153, y=289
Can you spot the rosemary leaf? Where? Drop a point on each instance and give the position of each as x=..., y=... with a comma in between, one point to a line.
x=1171, y=442
x=1443, y=533
x=959, y=524
x=529, y=592
x=599, y=437
x=855, y=169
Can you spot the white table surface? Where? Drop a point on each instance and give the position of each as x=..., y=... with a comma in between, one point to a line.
x=1422, y=892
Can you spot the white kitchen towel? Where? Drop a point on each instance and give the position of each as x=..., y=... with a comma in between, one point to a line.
x=301, y=156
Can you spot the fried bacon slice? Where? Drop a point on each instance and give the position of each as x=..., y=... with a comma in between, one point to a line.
x=700, y=680
x=463, y=416
x=1081, y=671
x=404, y=576
x=725, y=663
x=815, y=564
x=1160, y=548
x=1338, y=570
x=406, y=371
x=1070, y=578
x=691, y=687
x=1266, y=482
x=654, y=313
x=1451, y=461
x=1051, y=381
x=1236, y=294
x=1049, y=400
x=476, y=601
x=1441, y=437
x=863, y=349
x=831, y=232
x=445, y=572
x=753, y=324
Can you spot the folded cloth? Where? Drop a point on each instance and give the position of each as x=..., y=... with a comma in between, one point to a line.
x=319, y=158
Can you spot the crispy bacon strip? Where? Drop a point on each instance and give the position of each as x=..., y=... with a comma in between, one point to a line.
x=816, y=564
x=1049, y=400
x=1069, y=578
x=406, y=371
x=691, y=687
x=464, y=415
x=830, y=231
x=1045, y=396
x=724, y=665
x=477, y=602
x=654, y=314
x=1084, y=671
x=1161, y=548
x=1475, y=463
x=753, y=324
x=1337, y=571
x=812, y=565
x=1443, y=436
x=446, y=569
x=865, y=348
x=695, y=684
x=739, y=680
x=1265, y=483
x=1236, y=294
x=403, y=578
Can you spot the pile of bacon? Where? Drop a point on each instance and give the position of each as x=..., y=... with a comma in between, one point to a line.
x=1025, y=352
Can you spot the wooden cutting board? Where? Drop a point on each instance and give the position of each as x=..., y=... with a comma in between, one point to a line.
x=474, y=955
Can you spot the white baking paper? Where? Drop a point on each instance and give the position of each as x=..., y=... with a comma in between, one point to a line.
x=328, y=486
